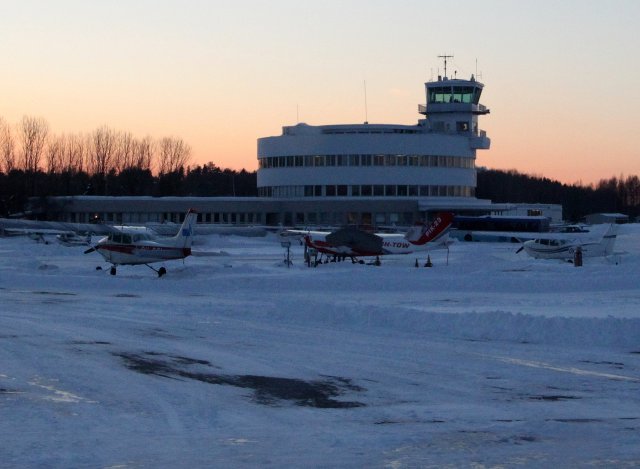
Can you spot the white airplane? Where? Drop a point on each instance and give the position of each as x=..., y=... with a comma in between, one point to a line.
x=351, y=242
x=564, y=246
x=136, y=246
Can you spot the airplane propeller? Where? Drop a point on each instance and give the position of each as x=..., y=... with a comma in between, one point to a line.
x=519, y=249
x=91, y=249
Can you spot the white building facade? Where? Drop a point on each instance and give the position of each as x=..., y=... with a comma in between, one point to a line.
x=332, y=175
x=434, y=159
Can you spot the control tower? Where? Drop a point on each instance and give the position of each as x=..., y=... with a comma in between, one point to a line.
x=453, y=107
x=420, y=168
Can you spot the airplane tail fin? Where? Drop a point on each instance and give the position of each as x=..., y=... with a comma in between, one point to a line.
x=184, y=238
x=438, y=231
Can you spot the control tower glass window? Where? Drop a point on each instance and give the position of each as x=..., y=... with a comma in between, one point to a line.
x=454, y=94
x=440, y=94
x=476, y=95
x=463, y=94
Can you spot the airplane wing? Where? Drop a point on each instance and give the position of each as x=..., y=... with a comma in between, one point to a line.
x=33, y=231
x=18, y=226
x=518, y=236
x=356, y=240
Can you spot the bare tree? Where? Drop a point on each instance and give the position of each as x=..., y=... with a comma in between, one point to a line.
x=174, y=154
x=55, y=154
x=143, y=154
x=74, y=154
x=125, y=150
x=7, y=147
x=33, y=133
x=100, y=157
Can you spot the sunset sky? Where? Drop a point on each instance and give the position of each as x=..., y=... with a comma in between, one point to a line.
x=562, y=78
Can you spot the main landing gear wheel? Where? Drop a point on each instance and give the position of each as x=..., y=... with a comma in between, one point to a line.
x=161, y=271
x=112, y=271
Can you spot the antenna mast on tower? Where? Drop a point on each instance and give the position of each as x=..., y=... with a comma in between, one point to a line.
x=445, y=57
x=366, y=109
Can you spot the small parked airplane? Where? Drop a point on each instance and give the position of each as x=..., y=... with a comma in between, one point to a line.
x=352, y=242
x=564, y=246
x=135, y=246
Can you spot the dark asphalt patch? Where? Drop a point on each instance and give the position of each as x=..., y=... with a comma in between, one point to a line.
x=552, y=397
x=90, y=342
x=54, y=293
x=267, y=390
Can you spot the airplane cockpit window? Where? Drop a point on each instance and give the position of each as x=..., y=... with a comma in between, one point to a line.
x=121, y=238
x=140, y=237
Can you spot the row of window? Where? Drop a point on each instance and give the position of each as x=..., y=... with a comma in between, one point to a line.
x=454, y=94
x=299, y=161
x=288, y=218
x=164, y=217
x=366, y=190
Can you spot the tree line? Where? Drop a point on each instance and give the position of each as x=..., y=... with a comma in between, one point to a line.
x=36, y=163
x=613, y=195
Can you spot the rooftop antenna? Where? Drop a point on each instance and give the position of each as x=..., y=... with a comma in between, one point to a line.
x=366, y=110
x=445, y=57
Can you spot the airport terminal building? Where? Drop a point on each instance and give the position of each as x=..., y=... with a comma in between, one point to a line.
x=331, y=175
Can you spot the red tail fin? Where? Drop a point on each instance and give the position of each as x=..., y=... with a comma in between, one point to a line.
x=438, y=229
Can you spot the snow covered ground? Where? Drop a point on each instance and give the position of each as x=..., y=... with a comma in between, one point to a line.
x=494, y=360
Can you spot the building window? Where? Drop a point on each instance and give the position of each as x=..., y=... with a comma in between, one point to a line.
x=462, y=126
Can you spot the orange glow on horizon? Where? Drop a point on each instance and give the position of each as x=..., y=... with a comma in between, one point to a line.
x=220, y=75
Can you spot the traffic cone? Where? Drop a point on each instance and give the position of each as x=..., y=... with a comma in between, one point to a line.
x=428, y=263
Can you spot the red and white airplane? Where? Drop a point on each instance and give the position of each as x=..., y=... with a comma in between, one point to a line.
x=351, y=242
x=135, y=247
